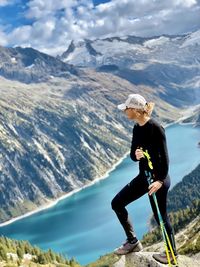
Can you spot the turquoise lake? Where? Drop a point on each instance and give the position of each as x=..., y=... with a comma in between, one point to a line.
x=83, y=225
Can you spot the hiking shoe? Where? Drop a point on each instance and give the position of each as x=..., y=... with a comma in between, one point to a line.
x=162, y=258
x=128, y=247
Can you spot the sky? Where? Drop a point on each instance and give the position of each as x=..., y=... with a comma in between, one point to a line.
x=50, y=25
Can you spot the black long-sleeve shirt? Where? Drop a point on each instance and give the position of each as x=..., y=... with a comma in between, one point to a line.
x=151, y=137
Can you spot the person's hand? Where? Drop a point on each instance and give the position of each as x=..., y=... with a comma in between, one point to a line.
x=153, y=188
x=139, y=153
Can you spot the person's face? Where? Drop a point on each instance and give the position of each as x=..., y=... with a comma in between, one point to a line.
x=131, y=113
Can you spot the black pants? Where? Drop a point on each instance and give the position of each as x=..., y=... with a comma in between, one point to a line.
x=134, y=190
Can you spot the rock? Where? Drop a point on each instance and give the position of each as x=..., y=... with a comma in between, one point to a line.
x=196, y=257
x=145, y=259
x=121, y=262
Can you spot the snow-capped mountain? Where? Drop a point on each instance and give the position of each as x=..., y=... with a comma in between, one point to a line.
x=168, y=62
x=129, y=51
x=82, y=49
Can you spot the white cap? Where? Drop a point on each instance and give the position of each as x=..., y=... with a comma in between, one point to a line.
x=133, y=101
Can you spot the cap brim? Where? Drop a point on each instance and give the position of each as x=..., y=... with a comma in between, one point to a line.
x=121, y=106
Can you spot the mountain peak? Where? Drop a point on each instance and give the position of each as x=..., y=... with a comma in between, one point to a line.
x=126, y=50
x=29, y=65
x=80, y=50
x=192, y=39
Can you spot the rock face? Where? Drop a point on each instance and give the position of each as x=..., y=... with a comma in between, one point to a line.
x=145, y=259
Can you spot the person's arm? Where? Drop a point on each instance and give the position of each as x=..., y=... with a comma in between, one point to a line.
x=163, y=158
x=162, y=167
x=134, y=145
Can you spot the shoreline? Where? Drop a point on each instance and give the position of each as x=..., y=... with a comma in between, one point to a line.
x=55, y=202
x=52, y=203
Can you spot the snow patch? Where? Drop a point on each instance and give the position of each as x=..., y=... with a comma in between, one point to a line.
x=79, y=55
x=84, y=143
x=13, y=60
x=43, y=151
x=193, y=83
x=156, y=42
x=85, y=118
x=193, y=39
x=139, y=66
x=30, y=66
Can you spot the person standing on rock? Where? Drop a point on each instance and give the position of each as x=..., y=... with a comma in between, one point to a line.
x=148, y=135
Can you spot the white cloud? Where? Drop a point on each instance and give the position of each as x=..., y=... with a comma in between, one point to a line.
x=56, y=23
x=3, y=38
x=185, y=3
x=43, y=29
x=40, y=8
x=4, y=2
x=21, y=34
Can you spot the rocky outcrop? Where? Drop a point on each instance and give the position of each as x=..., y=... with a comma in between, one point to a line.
x=145, y=259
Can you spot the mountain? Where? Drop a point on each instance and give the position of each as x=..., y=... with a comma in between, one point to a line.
x=191, y=115
x=60, y=128
x=28, y=65
x=85, y=45
x=168, y=63
x=60, y=135
x=185, y=192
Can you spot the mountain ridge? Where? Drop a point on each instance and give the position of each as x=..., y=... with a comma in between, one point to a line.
x=169, y=63
x=28, y=65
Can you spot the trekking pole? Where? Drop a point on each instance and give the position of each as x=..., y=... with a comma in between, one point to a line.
x=162, y=226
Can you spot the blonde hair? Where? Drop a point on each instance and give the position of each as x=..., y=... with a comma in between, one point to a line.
x=148, y=109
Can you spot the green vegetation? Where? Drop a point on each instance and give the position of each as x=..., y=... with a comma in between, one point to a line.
x=192, y=246
x=179, y=220
x=105, y=261
x=185, y=191
x=12, y=252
